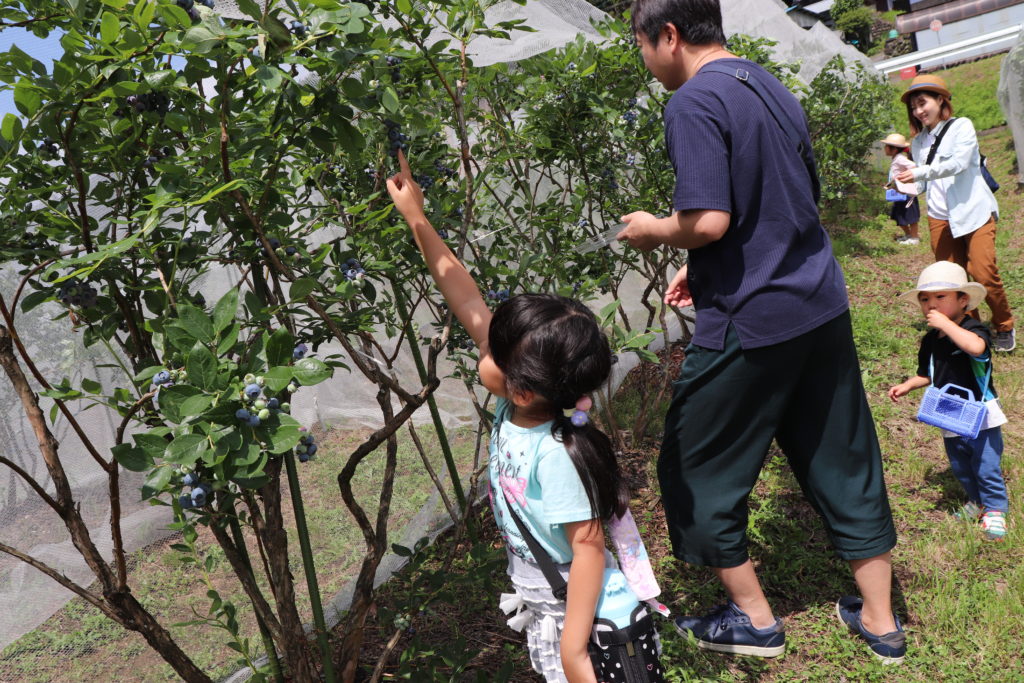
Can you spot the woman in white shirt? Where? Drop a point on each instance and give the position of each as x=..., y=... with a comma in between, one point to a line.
x=961, y=208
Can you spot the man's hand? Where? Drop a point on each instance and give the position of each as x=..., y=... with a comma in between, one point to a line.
x=405, y=193
x=678, y=293
x=640, y=230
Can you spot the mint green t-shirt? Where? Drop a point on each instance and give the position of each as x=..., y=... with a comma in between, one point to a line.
x=531, y=469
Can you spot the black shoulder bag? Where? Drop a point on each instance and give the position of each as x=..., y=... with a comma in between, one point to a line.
x=989, y=180
x=630, y=653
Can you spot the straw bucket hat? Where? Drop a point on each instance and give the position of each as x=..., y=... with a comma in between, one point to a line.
x=926, y=83
x=947, y=276
x=896, y=140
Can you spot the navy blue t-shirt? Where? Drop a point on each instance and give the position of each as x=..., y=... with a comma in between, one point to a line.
x=772, y=275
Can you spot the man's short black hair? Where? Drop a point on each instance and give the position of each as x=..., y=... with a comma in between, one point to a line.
x=699, y=22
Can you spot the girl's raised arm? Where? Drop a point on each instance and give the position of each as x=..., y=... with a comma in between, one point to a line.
x=456, y=284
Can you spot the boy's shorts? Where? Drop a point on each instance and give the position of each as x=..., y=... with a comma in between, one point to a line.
x=728, y=406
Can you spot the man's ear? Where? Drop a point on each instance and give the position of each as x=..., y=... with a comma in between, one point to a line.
x=669, y=33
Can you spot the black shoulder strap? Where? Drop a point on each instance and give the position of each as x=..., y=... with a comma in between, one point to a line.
x=938, y=139
x=559, y=588
x=778, y=112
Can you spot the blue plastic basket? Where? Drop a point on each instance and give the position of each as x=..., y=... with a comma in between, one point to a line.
x=963, y=416
x=895, y=196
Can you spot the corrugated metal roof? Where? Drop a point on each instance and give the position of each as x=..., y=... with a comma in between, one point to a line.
x=949, y=13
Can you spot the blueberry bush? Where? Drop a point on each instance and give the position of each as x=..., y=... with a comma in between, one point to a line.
x=169, y=144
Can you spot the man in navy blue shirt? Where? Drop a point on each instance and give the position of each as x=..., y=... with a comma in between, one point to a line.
x=772, y=355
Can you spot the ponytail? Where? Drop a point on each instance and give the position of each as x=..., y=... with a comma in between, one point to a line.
x=592, y=455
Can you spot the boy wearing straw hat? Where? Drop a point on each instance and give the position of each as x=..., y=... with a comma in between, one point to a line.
x=905, y=211
x=957, y=351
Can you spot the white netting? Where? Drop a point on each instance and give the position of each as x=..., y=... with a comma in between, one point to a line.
x=27, y=598
x=1011, y=99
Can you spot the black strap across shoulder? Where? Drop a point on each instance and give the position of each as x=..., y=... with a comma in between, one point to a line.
x=778, y=112
x=621, y=636
x=938, y=139
x=559, y=588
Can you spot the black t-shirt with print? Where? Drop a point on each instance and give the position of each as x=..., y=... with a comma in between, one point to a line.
x=953, y=365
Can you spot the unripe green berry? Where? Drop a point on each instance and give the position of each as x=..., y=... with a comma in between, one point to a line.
x=260, y=404
x=264, y=414
x=286, y=407
x=249, y=378
x=292, y=388
x=261, y=381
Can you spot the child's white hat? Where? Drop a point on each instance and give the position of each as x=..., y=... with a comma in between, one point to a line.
x=943, y=276
x=896, y=140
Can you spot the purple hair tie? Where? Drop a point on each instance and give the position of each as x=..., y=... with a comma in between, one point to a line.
x=579, y=417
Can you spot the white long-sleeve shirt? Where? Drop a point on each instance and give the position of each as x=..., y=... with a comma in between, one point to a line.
x=961, y=193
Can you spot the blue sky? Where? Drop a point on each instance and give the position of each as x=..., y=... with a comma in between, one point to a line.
x=45, y=50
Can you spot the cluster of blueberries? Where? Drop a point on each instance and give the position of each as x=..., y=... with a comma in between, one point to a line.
x=200, y=494
x=500, y=295
x=149, y=101
x=397, y=140
x=298, y=28
x=353, y=270
x=257, y=407
x=280, y=250
x=49, y=147
x=396, y=73
x=166, y=378
x=156, y=156
x=306, y=447
x=630, y=116
x=72, y=292
x=190, y=7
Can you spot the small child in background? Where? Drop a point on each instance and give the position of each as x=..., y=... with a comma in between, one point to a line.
x=957, y=350
x=549, y=465
x=906, y=212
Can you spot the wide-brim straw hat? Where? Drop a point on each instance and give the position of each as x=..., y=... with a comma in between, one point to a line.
x=947, y=276
x=926, y=83
x=896, y=140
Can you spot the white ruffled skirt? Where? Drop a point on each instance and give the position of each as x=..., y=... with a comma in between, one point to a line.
x=532, y=607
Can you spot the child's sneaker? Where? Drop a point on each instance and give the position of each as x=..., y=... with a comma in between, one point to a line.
x=889, y=648
x=970, y=512
x=728, y=629
x=993, y=523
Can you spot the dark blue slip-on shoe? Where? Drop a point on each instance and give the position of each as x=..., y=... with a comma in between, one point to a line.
x=728, y=629
x=890, y=648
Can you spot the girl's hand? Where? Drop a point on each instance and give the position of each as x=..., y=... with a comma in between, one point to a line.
x=405, y=193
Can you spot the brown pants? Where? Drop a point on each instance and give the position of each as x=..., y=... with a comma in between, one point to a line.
x=976, y=252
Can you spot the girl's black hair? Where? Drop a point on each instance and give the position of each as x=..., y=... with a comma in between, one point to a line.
x=553, y=346
x=699, y=22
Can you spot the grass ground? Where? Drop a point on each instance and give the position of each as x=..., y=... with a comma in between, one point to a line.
x=960, y=597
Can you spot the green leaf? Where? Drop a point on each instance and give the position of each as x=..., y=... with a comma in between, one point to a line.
x=301, y=288
x=91, y=386
x=156, y=482
x=11, y=127
x=143, y=13
x=154, y=445
x=194, y=405
x=277, y=378
x=284, y=435
x=251, y=8
x=179, y=337
x=280, y=347
x=171, y=399
x=311, y=371
x=27, y=98
x=196, y=322
x=270, y=77
x=390, y=99
x=201, y=38
x=225, y=310
x=186, y=449
x=34, y=299
x=110, y=28
x=132, y=459
x=226, y=187
x=202, y=367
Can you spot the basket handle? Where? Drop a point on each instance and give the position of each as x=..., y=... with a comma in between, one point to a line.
x=970, y=394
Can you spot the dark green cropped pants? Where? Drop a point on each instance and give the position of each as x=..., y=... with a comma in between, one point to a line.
x=728, y=406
